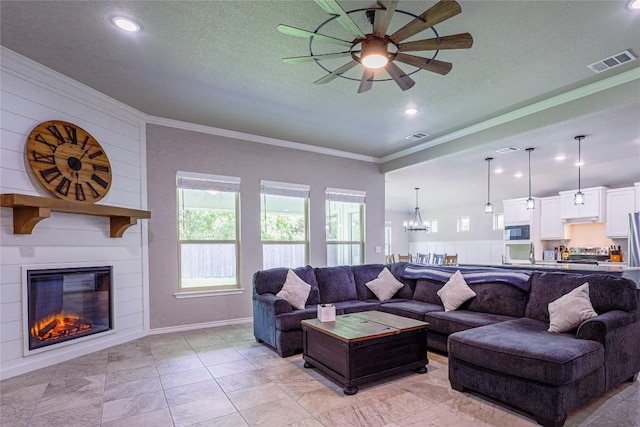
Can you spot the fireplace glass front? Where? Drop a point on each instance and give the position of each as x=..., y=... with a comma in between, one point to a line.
x=68, y=303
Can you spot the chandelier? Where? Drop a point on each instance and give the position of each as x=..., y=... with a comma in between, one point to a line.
x=416, y=223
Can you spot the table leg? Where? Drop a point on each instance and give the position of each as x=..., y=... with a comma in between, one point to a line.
x=308, y=365
x=420, y=370
x=350, y=391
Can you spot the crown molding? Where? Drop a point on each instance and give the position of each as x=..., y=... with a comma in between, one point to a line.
x=554, y=101
x=259, y=139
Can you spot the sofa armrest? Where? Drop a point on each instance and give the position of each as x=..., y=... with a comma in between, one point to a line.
x=277, y=305
x=597, y=328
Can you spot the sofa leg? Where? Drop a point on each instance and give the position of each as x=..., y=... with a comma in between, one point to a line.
x=457, y=387
x=633, y=378
x=547, y=422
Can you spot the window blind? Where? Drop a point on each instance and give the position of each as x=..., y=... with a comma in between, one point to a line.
x=342, y=195
x=275, y=188
x=197, y=181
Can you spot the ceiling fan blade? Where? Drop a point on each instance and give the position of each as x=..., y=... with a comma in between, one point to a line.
x=456, y=41
x=297, y=32
x=433, y=65
x=367, y=80
x=383, y=18
x=299, y=59
x=404, y=81
x=441, y=11
x=333, y=8
x=332, y=75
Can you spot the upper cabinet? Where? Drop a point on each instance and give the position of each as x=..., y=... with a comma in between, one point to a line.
x=620, y=203
x=593, y=209
x=551, y=226
x=516, y=212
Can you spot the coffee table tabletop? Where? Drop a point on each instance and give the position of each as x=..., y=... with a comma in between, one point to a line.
x=365, y=325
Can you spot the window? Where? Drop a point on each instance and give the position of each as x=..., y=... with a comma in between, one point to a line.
x=498, y=221
x=284, y=229
x=345, y=227
x=433, y=225
x=208, y=231
x=463, y=223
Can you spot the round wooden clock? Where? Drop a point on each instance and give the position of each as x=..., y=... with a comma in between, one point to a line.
x=68, y=161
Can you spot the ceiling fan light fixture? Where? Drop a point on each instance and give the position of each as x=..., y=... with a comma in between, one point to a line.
x=374, y=53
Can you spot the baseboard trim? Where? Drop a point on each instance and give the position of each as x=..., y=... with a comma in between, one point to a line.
x=194, y=326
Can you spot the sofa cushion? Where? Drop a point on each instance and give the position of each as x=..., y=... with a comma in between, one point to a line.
x=356, y=306
x=497, y=298
x=606, y=292
x=413, y=309
x=295, y=291
x=570, y=310
x=363, y=274
x=523, y=348
x=336, y=284
x=427, y=291
x=291, y=321
x=448, y=322
x=409, y=284
x=385, y=285
x=272, y=280
x=455, y=292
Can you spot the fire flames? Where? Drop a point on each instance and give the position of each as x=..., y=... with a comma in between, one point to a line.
x=58, y=326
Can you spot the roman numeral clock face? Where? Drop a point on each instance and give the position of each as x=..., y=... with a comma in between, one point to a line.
x=68, y=162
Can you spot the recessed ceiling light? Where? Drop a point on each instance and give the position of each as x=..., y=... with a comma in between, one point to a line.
x=126, y=24
x=410, y=111
x=498, y=170
x=634, y=4
x=518, y=174
x=560, y=157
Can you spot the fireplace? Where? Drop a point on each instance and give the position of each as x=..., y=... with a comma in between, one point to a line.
x=64, y=304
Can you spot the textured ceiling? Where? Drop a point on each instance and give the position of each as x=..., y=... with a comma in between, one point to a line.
x=218, y=63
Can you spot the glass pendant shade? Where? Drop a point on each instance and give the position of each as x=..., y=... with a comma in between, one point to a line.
x=488, y=207
x=578, y=198
x=531, y=204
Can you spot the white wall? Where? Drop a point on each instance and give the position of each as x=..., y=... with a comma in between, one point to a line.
x=170, y=149
x=31, y=94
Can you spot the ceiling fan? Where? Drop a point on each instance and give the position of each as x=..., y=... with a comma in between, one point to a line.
x=377, y=50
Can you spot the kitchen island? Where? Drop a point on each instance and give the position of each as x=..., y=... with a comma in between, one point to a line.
x=613, y=269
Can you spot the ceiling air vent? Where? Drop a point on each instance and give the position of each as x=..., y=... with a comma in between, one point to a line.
x=507, y=150
x=416, y=136
x=612, y=61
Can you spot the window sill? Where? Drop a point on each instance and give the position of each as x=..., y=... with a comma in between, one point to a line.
x=209, y=293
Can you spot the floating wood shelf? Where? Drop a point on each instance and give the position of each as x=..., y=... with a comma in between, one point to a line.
x=29, y=210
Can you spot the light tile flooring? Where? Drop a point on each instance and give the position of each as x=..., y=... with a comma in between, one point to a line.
x=222, y=377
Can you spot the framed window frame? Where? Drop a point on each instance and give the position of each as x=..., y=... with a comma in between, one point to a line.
x=346, y=196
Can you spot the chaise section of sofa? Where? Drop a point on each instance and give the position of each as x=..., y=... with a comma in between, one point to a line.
x=551, y=374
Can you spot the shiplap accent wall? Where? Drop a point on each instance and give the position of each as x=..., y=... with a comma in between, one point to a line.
x=31, y=94
x=471, y=252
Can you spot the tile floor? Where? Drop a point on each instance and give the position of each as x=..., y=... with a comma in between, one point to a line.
x=222, y=377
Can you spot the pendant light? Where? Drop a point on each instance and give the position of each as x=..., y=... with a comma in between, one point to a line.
x=578, y=198
x=488, y=208
x=531, y=204
x=415, y=223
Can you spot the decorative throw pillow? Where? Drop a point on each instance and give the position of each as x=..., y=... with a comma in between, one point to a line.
x=455, y=292
x=385, y=285
x=570, y=310
x=295, y=290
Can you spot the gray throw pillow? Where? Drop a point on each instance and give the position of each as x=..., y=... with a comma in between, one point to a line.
x=455, y=292
x=570, y=310
x=385, y=285
x=295, y=291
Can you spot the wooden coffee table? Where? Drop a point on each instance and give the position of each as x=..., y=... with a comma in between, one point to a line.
x=362, y=347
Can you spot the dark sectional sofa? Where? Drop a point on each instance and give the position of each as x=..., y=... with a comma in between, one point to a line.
x=497, y=342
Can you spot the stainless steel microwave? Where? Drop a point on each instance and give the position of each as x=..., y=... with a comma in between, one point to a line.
x=517, y=232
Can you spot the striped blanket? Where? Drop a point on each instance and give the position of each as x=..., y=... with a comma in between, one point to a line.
x=519, y=278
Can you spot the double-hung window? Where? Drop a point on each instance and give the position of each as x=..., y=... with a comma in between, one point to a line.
x=208, y=207
x=345, y=226
x=284, y=224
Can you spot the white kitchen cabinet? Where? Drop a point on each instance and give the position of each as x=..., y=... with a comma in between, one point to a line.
x=593, y=209
x=620, y=203
x=551, y=226
x=516, y=212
